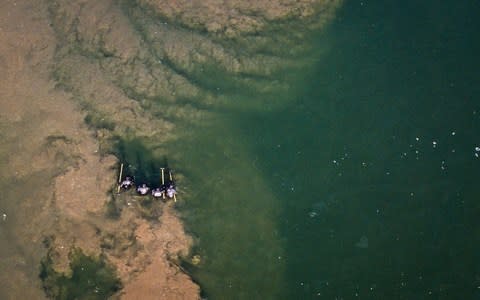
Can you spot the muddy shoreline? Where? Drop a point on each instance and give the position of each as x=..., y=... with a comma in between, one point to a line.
x=57, y=157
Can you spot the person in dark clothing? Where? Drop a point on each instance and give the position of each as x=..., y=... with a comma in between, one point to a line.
x=158, y=192
x=127, y=183
x=171, y=191
x=143, y=189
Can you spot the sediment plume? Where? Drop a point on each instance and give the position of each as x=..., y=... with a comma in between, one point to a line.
x=77, y=76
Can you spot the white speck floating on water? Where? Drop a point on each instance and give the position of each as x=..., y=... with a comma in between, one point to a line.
x=477, y=149
x=417, y=139
x=362, y=243
x=453, y=133
x=434, y=143
x=4, y=217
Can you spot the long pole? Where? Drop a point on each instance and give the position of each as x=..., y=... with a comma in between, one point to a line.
x=120, y=178
x=171, y=180
x=163, y=182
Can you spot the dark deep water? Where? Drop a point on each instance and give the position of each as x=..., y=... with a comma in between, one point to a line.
x=369, y=172
x=378, y=157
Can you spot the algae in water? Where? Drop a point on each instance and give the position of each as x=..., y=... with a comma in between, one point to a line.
x=90, y=278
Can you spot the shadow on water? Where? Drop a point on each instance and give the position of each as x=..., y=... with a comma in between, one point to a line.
x=140, y=160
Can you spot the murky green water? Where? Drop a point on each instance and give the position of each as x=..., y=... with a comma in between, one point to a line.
x=362, y=183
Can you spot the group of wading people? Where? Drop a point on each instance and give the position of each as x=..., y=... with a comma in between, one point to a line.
x=166, y=189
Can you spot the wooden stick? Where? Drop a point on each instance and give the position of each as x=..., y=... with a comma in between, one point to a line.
x=121, y=173
x=163, y=182
x=120, y=178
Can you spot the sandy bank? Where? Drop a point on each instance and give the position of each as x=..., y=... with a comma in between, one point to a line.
x=51, y=152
